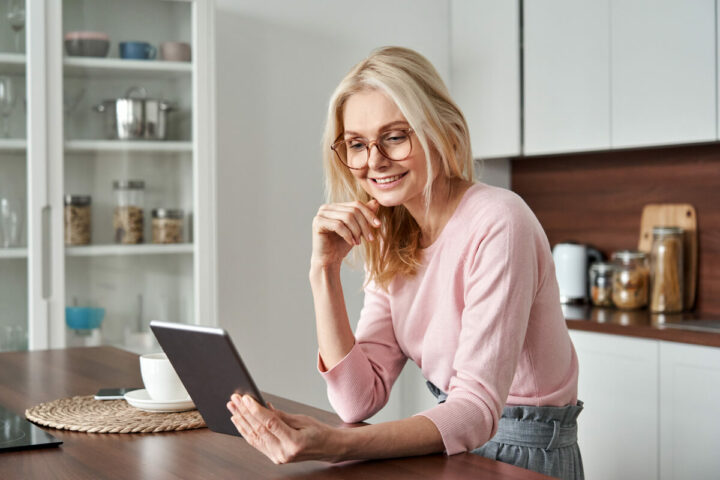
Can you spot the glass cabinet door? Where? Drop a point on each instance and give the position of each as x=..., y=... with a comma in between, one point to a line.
x=128, y=185
x=13, y=179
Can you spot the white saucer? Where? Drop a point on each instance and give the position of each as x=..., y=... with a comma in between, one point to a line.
x=140, y=399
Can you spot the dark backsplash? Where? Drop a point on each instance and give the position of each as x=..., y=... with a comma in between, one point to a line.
x=598, y=197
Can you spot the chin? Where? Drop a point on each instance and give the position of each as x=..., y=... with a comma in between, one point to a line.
x=390, y=199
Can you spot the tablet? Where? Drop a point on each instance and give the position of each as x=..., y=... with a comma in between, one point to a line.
x=209, y=367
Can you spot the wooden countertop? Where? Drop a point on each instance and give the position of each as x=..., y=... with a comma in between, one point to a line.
x=29, y=378
x=640, y=323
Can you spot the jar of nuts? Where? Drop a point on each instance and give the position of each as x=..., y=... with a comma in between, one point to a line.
x=77, y=219
x=631, y=279
x=128, y=221
x=167, y=225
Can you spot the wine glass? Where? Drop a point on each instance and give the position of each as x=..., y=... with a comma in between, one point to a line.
x=7, y=103
x=16, y=17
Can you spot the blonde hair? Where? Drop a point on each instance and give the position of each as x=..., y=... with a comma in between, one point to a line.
x=412, y=82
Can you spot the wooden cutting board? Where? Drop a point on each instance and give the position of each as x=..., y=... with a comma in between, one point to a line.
x=681, y=215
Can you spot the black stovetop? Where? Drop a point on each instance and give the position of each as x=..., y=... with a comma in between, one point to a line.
x=16, y=433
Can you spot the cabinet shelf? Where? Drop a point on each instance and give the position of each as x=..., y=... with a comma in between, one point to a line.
x=12, y=62
x=109, y=250
x=13, y=252
x=92, y=146
x=112, y=67
x=13, y=145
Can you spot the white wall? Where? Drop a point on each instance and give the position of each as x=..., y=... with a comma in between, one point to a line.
x=277, y=64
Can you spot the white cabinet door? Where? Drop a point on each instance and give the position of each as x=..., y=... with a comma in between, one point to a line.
x=618, y=429
x=566, y=75
x=485, y=73
x=663, y=72
x=689, y=399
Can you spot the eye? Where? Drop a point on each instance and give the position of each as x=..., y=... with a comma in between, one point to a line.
x=355, y=145
x=395, y=137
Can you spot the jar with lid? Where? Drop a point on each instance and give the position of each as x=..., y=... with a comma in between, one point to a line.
x=600, y=280
x=128, y=220
x=167, y=225
x=631, y=277
x=77, y=219
x=666, y=270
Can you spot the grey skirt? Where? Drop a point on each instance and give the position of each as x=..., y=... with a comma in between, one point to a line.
x=541, y=439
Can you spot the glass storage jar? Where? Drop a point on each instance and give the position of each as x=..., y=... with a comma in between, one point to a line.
x=631, y=277
x=128, y=220
x=77, y=219
x=666, y=270
x=600, y=280
x=167, y=225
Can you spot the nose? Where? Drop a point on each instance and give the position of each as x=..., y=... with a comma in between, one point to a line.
x=376, y=160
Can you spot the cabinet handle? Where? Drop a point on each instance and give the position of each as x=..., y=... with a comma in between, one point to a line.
x=45, y=246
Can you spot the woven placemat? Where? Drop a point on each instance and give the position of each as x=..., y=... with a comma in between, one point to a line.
x=85, y=414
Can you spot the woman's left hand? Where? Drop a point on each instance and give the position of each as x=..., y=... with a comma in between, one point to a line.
x=281, y=436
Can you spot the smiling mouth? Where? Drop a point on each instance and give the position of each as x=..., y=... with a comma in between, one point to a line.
x=384, y=180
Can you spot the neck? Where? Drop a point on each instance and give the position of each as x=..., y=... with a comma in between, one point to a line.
x=446, y=194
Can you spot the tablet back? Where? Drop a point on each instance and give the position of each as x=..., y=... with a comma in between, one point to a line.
x=210, y=368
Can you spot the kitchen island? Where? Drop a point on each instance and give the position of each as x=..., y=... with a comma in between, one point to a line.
x=29, y=378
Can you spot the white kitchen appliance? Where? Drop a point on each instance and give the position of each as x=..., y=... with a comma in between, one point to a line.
x=572, y=261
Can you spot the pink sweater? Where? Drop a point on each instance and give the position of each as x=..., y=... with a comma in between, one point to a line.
x=482, y=319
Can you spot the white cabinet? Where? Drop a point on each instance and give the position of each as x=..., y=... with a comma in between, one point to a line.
x=663, y=72
x=689, y=425
x=67, y=151
x=616, y=74
x=649, y=408
x=566, y=76
x=618, y=429
x=485, y=73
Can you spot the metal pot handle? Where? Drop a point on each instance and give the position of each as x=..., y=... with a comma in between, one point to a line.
x=139, y=90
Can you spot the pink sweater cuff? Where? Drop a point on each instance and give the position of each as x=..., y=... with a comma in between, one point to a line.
x=464, y=423
x=347, y=385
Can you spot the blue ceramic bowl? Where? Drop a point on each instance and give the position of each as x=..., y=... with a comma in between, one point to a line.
x=84, y=318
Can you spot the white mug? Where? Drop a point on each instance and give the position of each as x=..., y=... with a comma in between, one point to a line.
x=161, y=381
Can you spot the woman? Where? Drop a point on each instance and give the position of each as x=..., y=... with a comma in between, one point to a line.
x=460, y=279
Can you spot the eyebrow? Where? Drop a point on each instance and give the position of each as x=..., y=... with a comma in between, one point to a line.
x=384, y=127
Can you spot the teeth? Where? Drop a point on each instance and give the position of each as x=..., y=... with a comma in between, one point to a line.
x=387, y=179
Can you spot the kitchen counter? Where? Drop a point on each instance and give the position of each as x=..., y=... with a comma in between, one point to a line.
x=680, y=327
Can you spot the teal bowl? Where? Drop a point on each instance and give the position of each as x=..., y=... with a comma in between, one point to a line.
x=84, y=318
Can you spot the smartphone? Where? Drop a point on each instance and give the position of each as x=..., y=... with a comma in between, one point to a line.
x=113, y=393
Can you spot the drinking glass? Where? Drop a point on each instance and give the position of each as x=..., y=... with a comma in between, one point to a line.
x=11, y=217
x=7, y=102
x=16, y=18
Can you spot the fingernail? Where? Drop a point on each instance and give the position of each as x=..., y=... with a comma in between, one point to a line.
x=370, y=236
x=376, y=222
x=247, y=400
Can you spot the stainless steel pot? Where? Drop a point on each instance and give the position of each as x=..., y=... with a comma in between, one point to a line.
x=135, y=117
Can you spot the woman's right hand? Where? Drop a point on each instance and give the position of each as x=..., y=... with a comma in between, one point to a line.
x=338, y=227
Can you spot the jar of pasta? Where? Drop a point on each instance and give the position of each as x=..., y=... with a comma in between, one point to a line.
x=600, y=280
x=128, y=218
x=666, y=270
x=167, y=225
x=77, y=219
x=631, y=278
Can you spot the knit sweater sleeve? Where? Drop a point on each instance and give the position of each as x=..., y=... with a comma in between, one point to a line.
x=501, y=281
x=359, y=385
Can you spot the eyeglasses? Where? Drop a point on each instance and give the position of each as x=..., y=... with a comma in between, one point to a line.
x=354, y=153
